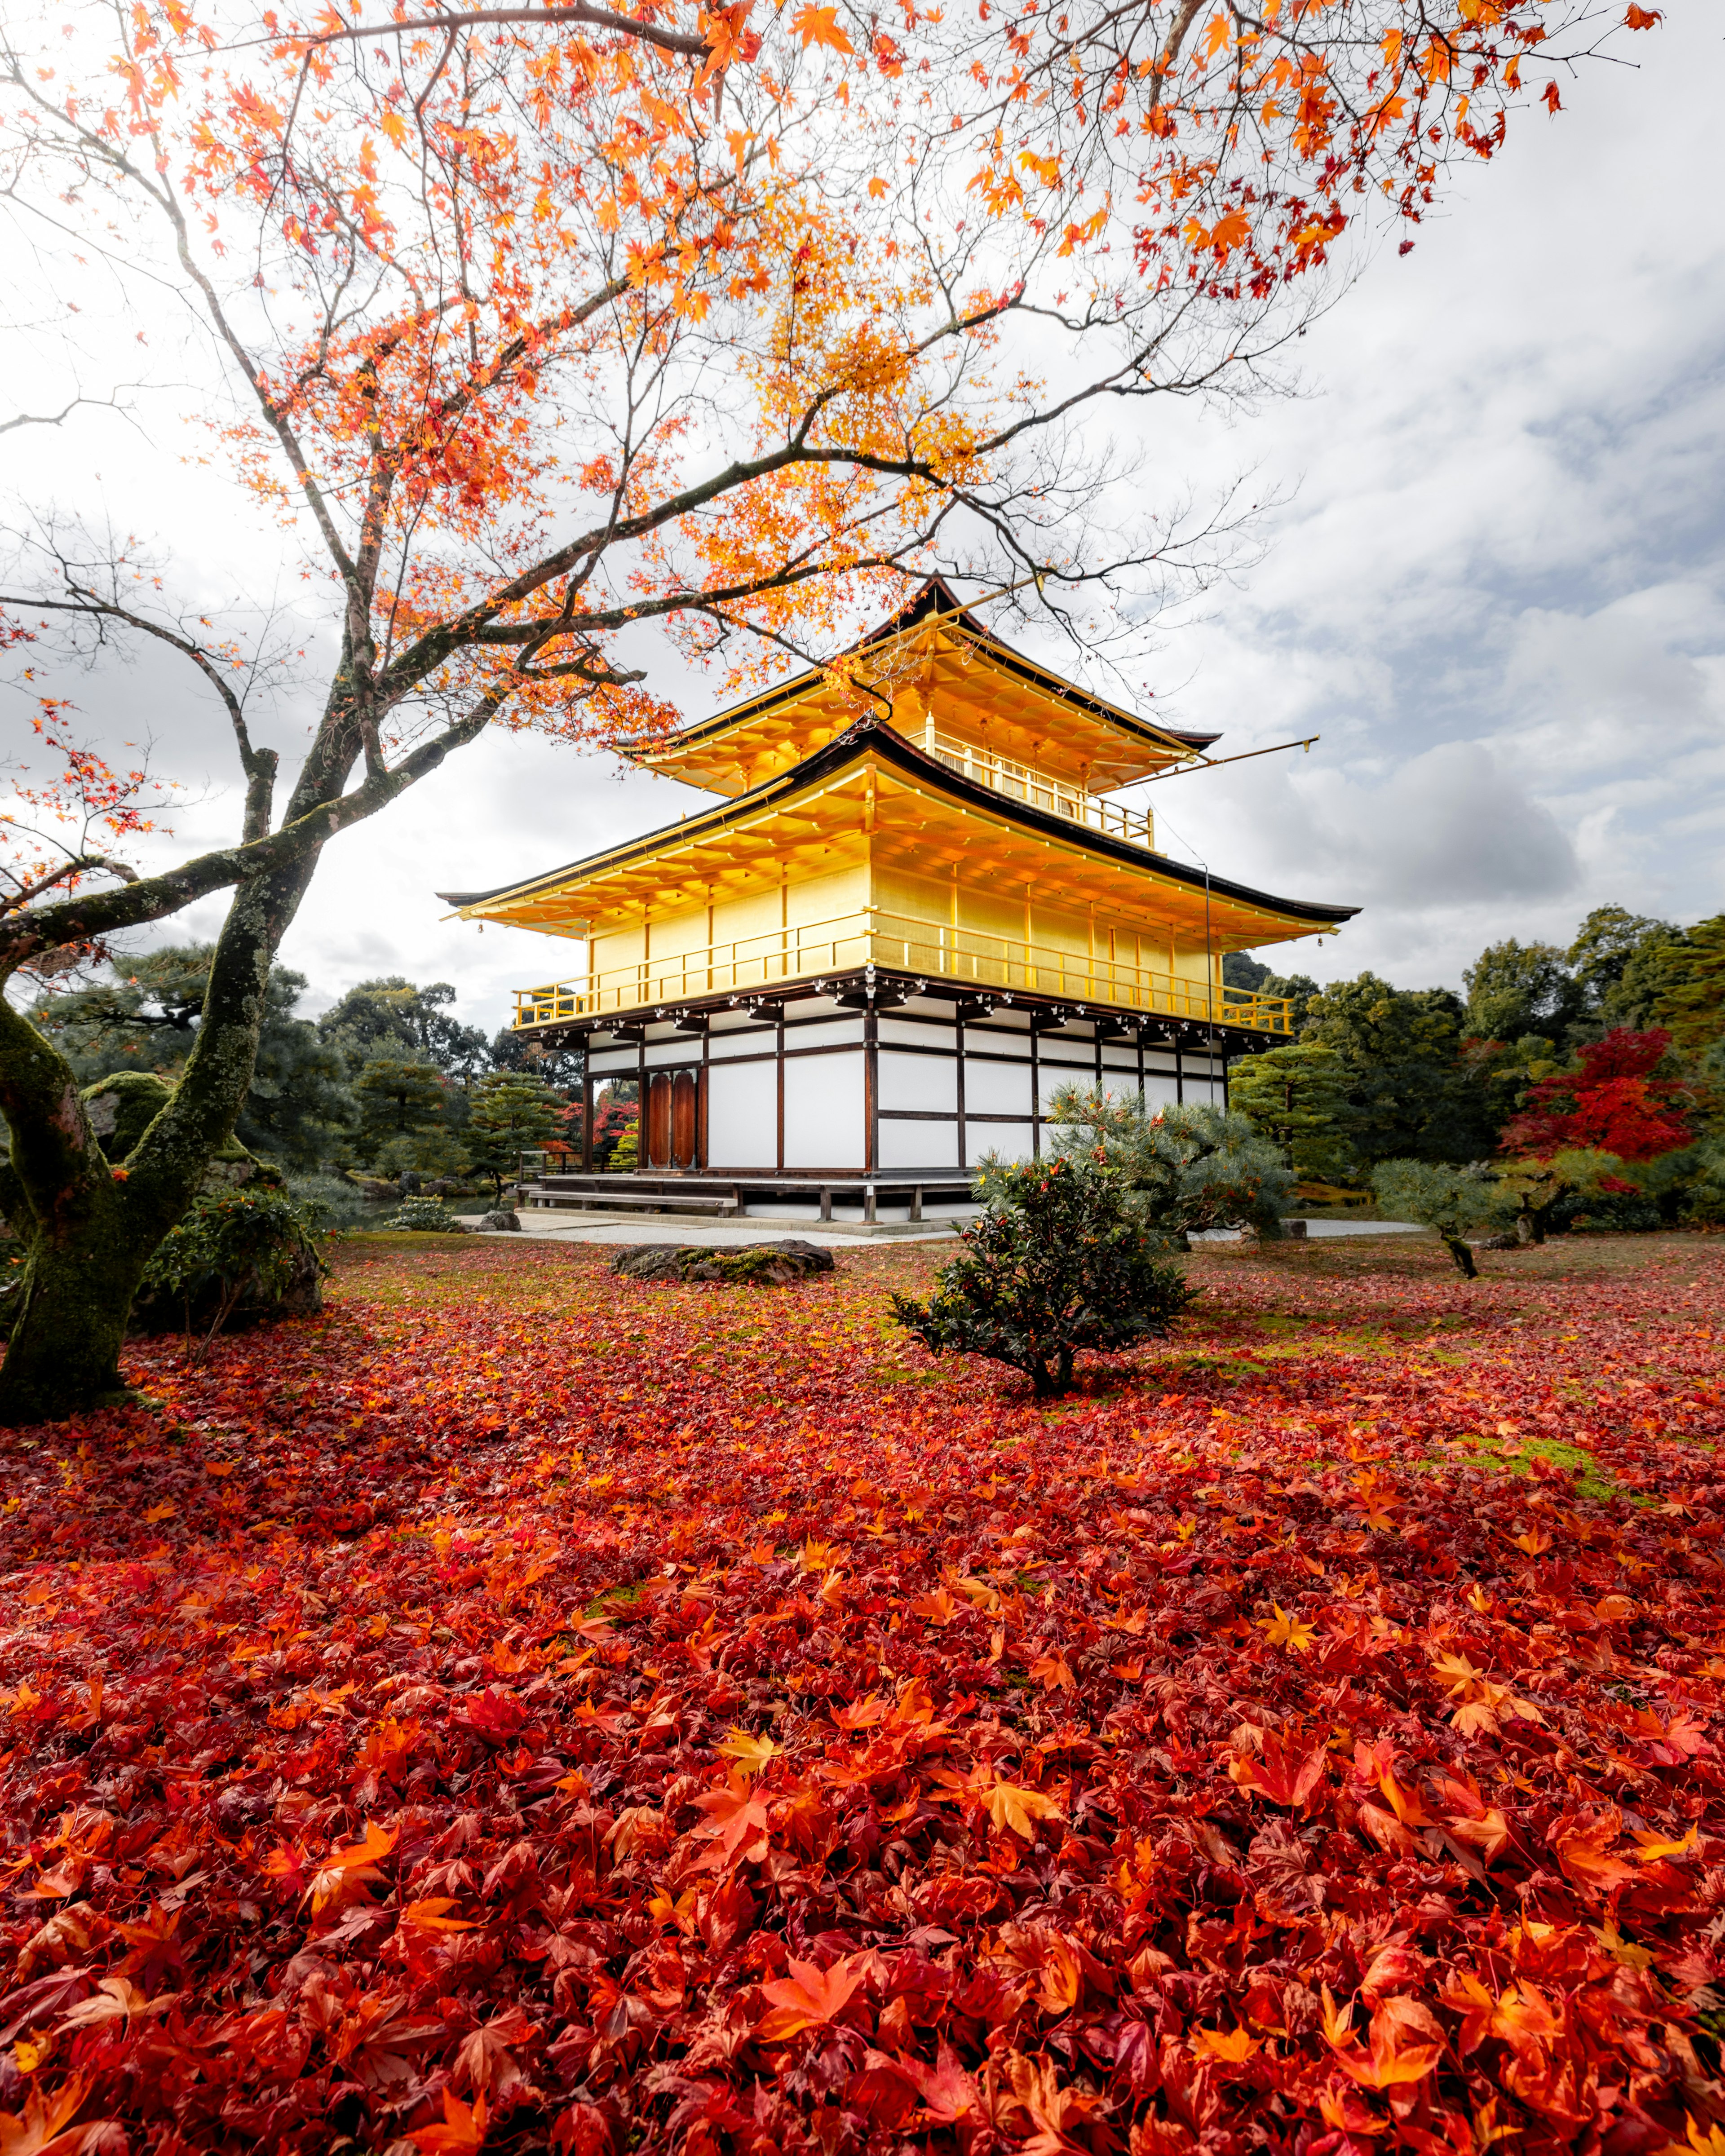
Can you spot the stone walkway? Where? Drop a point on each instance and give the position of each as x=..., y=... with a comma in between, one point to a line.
x=683, y=1229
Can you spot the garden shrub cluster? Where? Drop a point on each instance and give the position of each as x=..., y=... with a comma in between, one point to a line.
x=244, y=1255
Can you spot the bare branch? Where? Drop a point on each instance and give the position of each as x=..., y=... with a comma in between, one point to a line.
x=572, y=11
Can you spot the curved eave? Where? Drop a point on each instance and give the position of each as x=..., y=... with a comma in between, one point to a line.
x=875, y=737
x=935, y=599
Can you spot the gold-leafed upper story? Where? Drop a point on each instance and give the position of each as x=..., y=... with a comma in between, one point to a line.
x=956, y=691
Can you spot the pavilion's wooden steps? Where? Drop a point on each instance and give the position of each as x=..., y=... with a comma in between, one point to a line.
x=600, y=1194
x=725, y=1197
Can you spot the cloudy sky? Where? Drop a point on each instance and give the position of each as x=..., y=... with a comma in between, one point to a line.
x=1493, y=586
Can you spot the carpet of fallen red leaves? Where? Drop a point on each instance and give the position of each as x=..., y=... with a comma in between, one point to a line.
x=520, y=1709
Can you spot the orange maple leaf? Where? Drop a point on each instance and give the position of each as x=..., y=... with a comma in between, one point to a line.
x=819, y=26
x=1395, y=2058
x=807, y=1997
x=463, y=2129
x=1583, y=1853
x=1231, y=2045
x=344, y=1870
x=1282, y=1773
x=43, y=2130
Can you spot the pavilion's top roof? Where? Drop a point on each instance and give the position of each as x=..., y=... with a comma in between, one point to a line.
x=938, y=670
x=872, y=794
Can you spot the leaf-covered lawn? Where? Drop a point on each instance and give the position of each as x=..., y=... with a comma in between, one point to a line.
x=521, y=1708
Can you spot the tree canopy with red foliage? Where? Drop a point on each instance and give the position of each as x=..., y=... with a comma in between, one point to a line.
x=1613, y=1102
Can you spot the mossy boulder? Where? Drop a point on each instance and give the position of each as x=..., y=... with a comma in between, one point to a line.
x=748, y=1265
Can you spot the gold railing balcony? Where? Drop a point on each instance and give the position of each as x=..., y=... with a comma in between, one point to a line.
x=1037, y=789
x=817, y=950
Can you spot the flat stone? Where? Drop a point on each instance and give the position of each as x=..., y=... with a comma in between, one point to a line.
x=770, y=1263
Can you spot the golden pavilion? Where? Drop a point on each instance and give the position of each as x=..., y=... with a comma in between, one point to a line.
x=913, y=912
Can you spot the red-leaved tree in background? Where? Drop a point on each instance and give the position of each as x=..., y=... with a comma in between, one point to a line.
x=1614, y=1103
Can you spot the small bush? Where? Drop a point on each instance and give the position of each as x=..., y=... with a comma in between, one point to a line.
x=1621, y=1212
x=245, y=1254
x=1184, y=1167
x=425, y=1216
x=1057, y=1264
x=1458, y=1202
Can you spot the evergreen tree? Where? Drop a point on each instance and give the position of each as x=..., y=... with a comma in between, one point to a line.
x=1240, y=970
x=561, y=1067
x=1689, y=994
x=404, y=1104
x=1458, y=1202
x=1606, y=944
x=1057, y=1263
x=143, y=1014
x=1515, y=989
x=1296, y=1096
x=395, y=1017
x=1183, y=1166
x=512, y=1115
x=1405, y=1078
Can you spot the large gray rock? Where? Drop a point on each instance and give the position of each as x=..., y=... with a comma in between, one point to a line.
x=750, y=1265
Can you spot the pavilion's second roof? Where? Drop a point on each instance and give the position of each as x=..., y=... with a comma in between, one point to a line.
x=938, y=656
x=871, y=794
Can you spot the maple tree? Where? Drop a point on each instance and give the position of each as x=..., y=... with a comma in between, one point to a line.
x=1612, y=1100
x=537, y=326
x=519, y=1708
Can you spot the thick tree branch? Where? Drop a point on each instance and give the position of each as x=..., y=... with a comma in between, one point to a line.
x=573, y=11
x=80, y=920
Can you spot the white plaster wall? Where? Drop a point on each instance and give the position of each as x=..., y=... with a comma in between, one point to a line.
x=919, y=1145
x=998, y=1040
x=918, y=1081
x=610, y=1060
x=761, y=1040
x=1159, y=1090
x=909, y=1034
x=831, y=1032
x=742, y=1115
x=996, y=1089
x=823, y=1112
x=1011, y=1140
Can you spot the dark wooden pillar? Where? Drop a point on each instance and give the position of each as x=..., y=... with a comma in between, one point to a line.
x=586, y=1100
x=963, y=1145
x=871, y=1091
x=1035, y=1093
x=778, y=1069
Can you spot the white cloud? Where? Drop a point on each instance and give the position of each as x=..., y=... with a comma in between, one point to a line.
x=1497, y=588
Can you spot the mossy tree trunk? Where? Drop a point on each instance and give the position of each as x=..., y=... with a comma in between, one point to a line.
x=90, y=1224
x=89, y=1233
x=1462, y=1250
